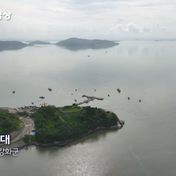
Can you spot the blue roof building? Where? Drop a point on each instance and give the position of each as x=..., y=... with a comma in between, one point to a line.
x=32, y=133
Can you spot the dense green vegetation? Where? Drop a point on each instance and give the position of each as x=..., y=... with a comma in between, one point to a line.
x=9, y=123
x=23, y=113
x=29, y=139
x=54, y=124
x=71, y=109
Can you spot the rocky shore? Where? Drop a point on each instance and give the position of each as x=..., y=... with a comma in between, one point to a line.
x=64, y=143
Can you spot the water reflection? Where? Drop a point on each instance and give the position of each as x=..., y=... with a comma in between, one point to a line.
x=78, y=48
x=133, y=50
x=11, y=49
x=92, y=138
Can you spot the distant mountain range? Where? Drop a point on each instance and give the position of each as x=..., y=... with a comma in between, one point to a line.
x=71, y=44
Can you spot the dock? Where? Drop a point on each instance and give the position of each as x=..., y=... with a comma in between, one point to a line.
x=89, y=98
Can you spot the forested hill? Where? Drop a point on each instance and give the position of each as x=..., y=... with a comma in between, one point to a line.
x=77, y=43
x=11, y=45
x=9, y=123
x=60, y=124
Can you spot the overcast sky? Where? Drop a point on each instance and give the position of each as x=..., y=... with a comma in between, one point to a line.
x=103, y=19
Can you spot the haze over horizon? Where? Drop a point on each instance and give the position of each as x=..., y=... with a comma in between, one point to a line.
x=110, y=20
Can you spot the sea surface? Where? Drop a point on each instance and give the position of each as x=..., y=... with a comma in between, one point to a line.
x=145, y=146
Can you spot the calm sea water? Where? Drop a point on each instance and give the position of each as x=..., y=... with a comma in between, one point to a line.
x=146, y=146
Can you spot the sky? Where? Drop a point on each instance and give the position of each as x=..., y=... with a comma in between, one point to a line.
x=92, y=19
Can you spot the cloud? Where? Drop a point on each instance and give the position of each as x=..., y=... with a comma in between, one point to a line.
x=157, y=4
x=84, y=17
x=146, y=28
x=136, y=28
x=125, y=28
x=133, y=27
x=120, y=20
x=160, y=28
x=163, y=28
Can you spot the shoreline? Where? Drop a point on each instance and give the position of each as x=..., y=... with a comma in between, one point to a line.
x=64, y=143
x=22, y=144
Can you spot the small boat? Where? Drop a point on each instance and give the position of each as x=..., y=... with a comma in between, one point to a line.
x=139, y=100
x=118, y=90
x=128, y=98
x=122, y=122
x=50, y=89
x=41, y=97
x=13, y=92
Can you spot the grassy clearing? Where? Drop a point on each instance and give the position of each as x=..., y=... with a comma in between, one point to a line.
x=50, y=123
x=73, y=109
x=71, y=119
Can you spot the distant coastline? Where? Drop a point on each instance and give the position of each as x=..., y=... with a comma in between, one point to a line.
x=70, y=44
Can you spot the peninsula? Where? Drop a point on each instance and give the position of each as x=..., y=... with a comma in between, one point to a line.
x=78, y=44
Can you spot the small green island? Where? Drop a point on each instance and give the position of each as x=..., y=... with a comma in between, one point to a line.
x=59, y=125
x=56, y=126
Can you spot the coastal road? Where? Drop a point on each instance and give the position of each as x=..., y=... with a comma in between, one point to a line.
x=29, y=125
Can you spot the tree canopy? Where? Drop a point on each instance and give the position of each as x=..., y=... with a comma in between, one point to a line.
x=8, y=123
x=53, y=124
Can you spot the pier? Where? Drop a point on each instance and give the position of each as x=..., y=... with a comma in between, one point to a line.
x=89, y=98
